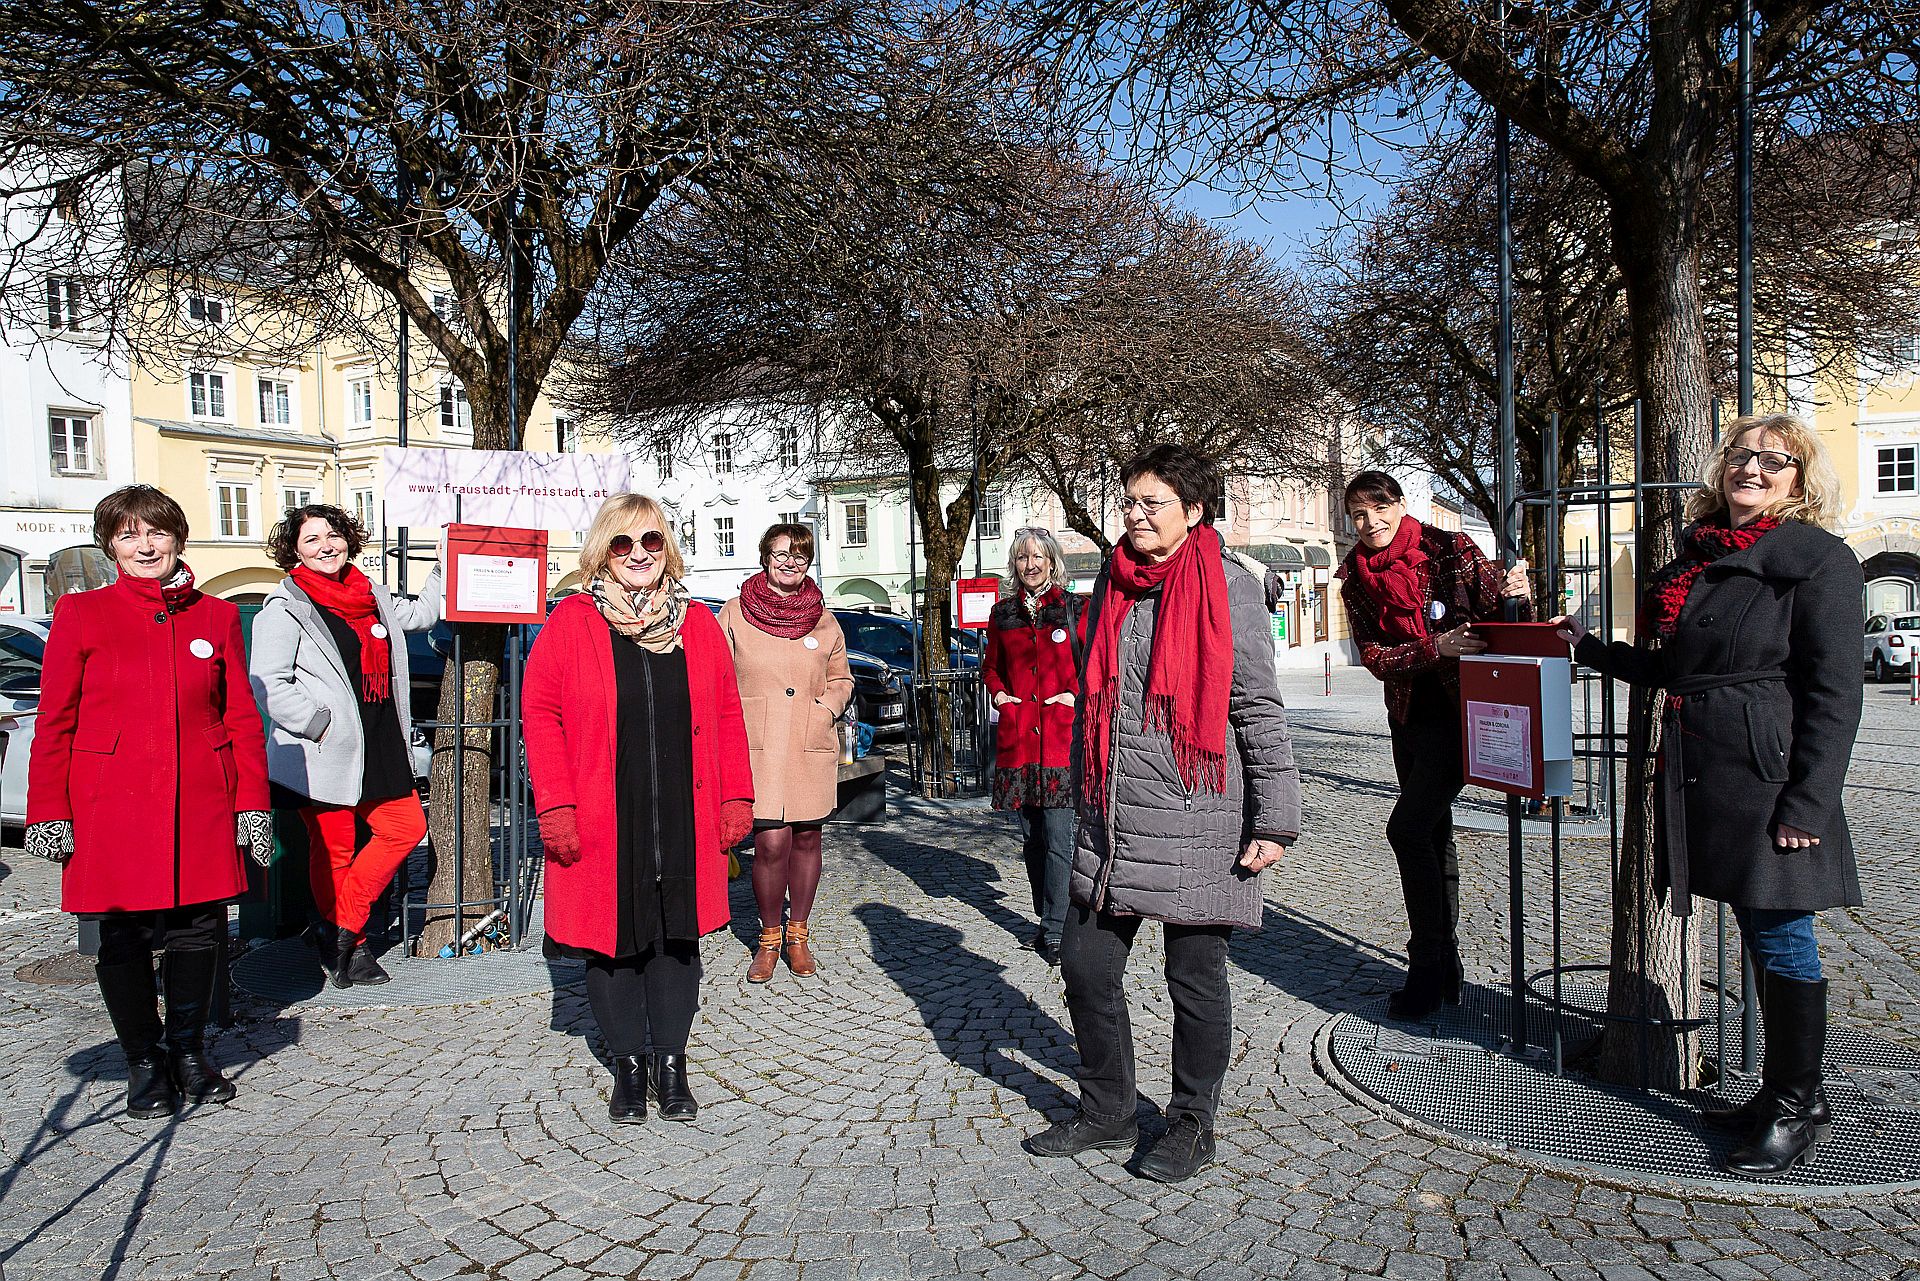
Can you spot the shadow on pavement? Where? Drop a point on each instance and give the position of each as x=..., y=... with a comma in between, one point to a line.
x=1314, y=962
x=941, y=872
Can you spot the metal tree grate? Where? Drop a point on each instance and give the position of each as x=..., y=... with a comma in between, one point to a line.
x=288, y=973
x=1450, y=1073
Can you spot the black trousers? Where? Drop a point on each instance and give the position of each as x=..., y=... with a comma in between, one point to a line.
x=1427, y=758
x=134, y=936
x=647, y=1001
x=1093, y=960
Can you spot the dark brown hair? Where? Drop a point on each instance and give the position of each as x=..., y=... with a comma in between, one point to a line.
x=1191, y=475
x=285, y=536
x=1374, y=488
x=801, y=535
x=132, y=503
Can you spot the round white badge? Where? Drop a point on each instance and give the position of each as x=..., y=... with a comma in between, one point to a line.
x=379, y=631
x=1059, y=634
x=200, y=648
x=811, y=642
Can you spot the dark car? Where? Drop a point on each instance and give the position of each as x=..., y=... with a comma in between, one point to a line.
x=892, y=638
x=879, y=694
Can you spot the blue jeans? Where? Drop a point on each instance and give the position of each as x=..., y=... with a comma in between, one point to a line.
x=1048, y=848
x=1782, y=941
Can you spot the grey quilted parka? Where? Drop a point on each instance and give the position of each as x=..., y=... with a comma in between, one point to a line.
x=1159, y=850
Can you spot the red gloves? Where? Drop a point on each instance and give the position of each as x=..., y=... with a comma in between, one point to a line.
x=736, y=820
x=560, y=836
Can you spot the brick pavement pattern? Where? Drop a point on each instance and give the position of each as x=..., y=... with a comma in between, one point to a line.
x=867, y=1123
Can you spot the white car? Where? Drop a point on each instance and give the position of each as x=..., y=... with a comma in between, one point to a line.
x=22, y=642
x=1888, y=647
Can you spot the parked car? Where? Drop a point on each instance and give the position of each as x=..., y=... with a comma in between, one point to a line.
x=23, y=643
x=892, y=639
x=879, y=694
x=1889, y=644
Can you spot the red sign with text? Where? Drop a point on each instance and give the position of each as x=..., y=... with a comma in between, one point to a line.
x=496, y=574
x=974, y=600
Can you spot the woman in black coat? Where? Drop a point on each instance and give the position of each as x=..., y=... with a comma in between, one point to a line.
x=1759, y=622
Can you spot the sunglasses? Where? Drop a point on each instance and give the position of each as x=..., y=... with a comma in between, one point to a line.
x=652, y=541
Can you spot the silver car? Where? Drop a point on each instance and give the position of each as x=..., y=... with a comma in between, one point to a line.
x=23, y=642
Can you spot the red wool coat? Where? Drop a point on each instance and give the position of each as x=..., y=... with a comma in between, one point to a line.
x=1033, y=663
x=148, y=742
x=567, y=703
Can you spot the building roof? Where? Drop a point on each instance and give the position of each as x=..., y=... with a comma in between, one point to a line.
x=228, y=431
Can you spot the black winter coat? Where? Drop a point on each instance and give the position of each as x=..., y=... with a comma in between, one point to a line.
x=1763, y=674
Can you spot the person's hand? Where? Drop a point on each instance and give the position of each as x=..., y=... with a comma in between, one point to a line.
x=736, y=820
x=560, y=835
x=1261, y=854
x=1065, y=698
x=1458, y=642
x=1517, y=584
x=1002, y=698
x=1569, y=628
x=51, y=840
x=1789, y=837
x=253, y=832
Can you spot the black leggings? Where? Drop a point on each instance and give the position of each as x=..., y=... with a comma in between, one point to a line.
x=646, y=1001
x=133, y=936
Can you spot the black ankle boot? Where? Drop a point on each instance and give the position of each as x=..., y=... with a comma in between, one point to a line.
x=326, y=941
x=190, y=976
x=363, y=968
x=1794, y=1119
x=628, y=1106
x=1427, y=988
x=671, y=1093
x=127, y=988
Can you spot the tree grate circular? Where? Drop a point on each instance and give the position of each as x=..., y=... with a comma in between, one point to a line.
x=288, y=973
x=1451, y=1073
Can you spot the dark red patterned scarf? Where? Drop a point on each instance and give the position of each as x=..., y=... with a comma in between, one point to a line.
x=350, y=598
x=177, y=592
x=1393, y=579
x=788, y=617
x=1700, y=546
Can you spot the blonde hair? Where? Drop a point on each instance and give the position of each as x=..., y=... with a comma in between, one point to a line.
x=616, y=516
x=1819, y=499
x=1057, y=575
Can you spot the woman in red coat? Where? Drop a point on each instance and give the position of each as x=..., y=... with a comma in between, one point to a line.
x=639, y=761
x=1029, y=674
x=148, y=774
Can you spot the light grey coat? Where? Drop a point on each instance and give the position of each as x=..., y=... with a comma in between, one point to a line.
x=1159, y=850
x=304, y=689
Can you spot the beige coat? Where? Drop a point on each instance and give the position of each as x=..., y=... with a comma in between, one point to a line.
x=791, y=691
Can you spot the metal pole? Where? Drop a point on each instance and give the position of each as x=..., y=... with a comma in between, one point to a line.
x=1609, y=725
x=1327, y=660
x=405, y=192
x=1744, y=178
x=516, y=825
x=459, y=780
x=1516, y=901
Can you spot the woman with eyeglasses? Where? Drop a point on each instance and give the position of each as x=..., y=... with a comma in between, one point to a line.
x=1758, y=623
x=640, y=779
x=791, y=660
x=1032, y=639
x=1412, y=593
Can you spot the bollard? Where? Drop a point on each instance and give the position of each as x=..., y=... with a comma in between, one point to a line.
x=1327, y=659
x=1913, y=680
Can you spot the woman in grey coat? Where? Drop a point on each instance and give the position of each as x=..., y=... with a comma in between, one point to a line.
x=1759, y=621
x=329, y=668
x=1186, y=788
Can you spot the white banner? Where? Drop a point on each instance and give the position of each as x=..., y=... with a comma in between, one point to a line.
x=499, y=487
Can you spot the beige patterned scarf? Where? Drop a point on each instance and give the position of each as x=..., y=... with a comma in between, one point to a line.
x=652, y=622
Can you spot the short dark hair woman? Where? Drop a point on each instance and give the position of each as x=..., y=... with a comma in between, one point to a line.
x=1759, y=621
x=330, y=670
x=1412, y=594
x=791, y=661
x=1187, y=791
x=147, y=776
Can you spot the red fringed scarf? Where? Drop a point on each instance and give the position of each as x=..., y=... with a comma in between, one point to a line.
x=1700, y=546
x=350, y=598
x=1191, y=670
x=788, y=617
x=1394, y=579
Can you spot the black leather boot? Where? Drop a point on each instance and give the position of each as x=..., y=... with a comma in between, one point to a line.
x=127, y=988
x=628, y=1106
x=190, y=975
x=1795, y=1118
x=671, y=1093
x=1742, y=1119
x=326, y=941
x=363, y=968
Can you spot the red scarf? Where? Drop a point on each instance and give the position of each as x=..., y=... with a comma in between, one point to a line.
x=788, y=617
x=1191, y=670
x=350, y=598
x=1700, y=546
x=1394, y=579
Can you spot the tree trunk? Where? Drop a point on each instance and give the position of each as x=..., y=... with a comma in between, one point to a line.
x=934, y=695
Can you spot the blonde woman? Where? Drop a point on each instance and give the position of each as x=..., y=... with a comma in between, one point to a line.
x=1759, y=621
x=641, y=782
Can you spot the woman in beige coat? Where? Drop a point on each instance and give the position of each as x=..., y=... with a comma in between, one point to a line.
x=794, y=682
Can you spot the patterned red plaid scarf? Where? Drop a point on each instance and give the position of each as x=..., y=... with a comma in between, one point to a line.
x=1700, y=546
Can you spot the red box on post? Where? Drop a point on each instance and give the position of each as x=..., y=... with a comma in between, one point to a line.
x=1516, y=711
x=496, y=574
x=974, y=599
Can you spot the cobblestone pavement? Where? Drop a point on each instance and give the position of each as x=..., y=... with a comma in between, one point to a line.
x=867, y=1123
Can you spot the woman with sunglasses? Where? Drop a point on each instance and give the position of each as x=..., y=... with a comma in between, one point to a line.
x=1758, y=621
x=791, y=658
x=1032, y=640
x=640, y=779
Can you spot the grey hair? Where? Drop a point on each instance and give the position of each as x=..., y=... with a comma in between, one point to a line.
x=1057, y=575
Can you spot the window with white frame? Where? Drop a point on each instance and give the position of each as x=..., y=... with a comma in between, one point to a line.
x=723, y=536
x=788, y=518
x=456, y=415
x=293, y=497
x=363, y=507
x=789, y=445
x=856, y=524
x=63, y=304
x=66, y=201
x=233, y=509
x=723, y=453
x=276, y=402
x=1898, y=469
x=663, y=461
x=1906, y=351
x=70, y=444
x=203, y=310
x=360, y=401
x=989, y=515
x=207, y=393
x=447, y=308
x=566, y=437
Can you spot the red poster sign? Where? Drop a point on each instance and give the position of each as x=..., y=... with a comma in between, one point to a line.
x=974, y=599
x=496, y=574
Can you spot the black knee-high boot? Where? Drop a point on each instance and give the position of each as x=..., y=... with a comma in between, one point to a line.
x=127, y=988
x=190, y=975
x=1795, y=1119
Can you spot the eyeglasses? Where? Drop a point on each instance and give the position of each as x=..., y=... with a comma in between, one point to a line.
x=789, y=558
x=1771, y=460
x=1150, y=506
x=651, y=541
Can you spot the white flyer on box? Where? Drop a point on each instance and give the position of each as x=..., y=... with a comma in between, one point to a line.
x=1500, y=742
x=498, y=584
x=498, y=486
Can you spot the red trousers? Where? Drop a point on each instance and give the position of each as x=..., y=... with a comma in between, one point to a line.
x=345, y=882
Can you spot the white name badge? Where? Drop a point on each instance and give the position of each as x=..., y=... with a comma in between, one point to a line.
x=200, y=648
x=811, y=642
x=1059, y=634
x=379, y=632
